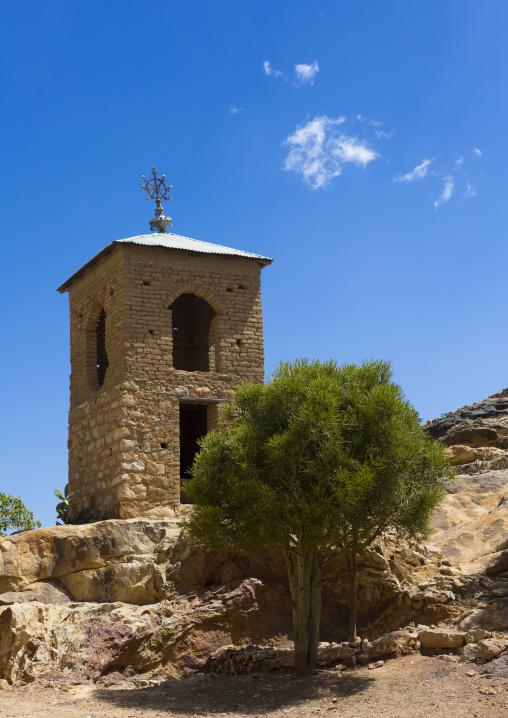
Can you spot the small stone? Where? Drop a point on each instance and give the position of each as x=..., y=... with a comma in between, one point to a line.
x=377, y=664
x=468, y=653
x=134, y=466
x=491, y=647
x=127, y=445
x=202, y=391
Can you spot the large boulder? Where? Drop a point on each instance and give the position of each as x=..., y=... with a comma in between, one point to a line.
x=441, y=638
x=395, y=643
x=104, y=561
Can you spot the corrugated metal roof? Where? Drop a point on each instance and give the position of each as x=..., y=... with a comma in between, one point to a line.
x=175, y=241
x=169, y=241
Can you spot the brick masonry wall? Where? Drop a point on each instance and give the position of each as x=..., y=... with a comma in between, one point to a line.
x=124, y=448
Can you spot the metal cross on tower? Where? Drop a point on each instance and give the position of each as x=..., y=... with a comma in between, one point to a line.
x=157, y=190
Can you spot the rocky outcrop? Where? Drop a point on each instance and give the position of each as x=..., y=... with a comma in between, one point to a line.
x=89, y=640
x=100, y=597
x=104, y=561
x=476, y=435
x=471, y=526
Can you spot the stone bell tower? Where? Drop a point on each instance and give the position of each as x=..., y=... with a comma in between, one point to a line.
x=163, y=329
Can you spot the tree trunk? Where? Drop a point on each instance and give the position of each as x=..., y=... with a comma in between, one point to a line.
x=304, y=574
x=351, y=571
x=315, y=610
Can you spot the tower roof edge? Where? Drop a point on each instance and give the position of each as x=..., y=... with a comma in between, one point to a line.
x=168, y=241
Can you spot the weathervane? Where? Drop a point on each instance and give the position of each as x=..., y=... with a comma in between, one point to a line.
x=158, y=191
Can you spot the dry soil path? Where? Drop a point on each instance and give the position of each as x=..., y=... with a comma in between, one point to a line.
x=411, y=687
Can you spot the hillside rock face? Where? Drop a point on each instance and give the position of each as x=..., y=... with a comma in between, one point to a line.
x=471, y=525
x=476, y=435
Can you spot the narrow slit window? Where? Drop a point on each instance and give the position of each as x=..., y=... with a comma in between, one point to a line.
x=102, y=356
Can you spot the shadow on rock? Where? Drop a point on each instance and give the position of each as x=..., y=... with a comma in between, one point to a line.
x=242, y=694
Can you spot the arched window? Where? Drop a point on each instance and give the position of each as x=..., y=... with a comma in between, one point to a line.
x=96, y=354
x=194, y=328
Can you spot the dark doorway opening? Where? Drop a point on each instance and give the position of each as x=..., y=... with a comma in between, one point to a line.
x=193, y=426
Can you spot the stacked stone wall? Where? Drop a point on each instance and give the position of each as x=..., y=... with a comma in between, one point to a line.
x=124, y=444
x=102, y=288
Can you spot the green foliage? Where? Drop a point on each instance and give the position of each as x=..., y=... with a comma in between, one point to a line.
x=63, y=506
x=317, y=462
x=15, y=515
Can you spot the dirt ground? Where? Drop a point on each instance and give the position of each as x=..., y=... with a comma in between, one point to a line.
x=411, y=687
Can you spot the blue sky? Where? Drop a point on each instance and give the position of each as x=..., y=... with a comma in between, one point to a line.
x=361, y=144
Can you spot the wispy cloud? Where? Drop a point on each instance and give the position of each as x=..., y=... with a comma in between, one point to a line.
x=305, y=74
x=235, y=110
x=319, y=149
x=270, y=71
x=446, y=193
x=455, y=175
x=419, y=172
x=376, y=127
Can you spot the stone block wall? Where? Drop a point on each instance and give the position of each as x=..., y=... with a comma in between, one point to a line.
x=124, y=435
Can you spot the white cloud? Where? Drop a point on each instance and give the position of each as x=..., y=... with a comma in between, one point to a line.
x=470, y=191
x=306, y=73
x=318, y=151
x=477, y=152
x=270, y=71
x=446, y=193
x=235, y=110
x=419, y=172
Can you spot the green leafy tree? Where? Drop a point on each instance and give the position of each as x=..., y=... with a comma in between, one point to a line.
x=62, y=507
x=317, y=462
x=15, y=515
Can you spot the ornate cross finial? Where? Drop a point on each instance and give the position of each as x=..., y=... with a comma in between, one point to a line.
x=157, y=190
